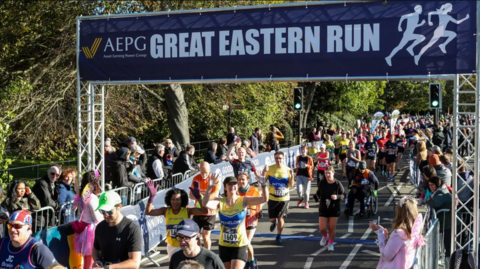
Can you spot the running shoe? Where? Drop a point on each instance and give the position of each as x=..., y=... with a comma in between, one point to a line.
x=300, y=203
x=330, y=247
x=278, y=240
x=255, y=265
x=273, y=226
x=248, y=265
x=306, y=206
x=324, y=241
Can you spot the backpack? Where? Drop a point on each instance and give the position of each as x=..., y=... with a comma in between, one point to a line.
x=462, y=259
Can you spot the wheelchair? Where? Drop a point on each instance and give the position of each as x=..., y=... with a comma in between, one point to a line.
x=371, y=203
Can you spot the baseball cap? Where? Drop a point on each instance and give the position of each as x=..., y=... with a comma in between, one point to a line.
x=437, y=149
x=21, y=215
x=188, y=228
x=108, y=200
x=137, y=148
x=230, y=180
x=362, y=165
x=130, y=140
x=414, y=137
x=323, y=146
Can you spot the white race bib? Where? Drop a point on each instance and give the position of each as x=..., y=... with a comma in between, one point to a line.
x=230, y=235
x=351, y=163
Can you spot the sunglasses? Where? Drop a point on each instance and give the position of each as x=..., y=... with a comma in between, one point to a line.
x=16, y=226
x=103, y=212
x=54, y=174
x=186, y=238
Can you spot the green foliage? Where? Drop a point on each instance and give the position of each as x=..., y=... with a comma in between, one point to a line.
x=5, y=131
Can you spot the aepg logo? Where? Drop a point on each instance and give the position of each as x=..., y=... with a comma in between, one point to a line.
x=90, y=52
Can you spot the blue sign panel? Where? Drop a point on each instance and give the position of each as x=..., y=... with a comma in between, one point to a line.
x=400, y=38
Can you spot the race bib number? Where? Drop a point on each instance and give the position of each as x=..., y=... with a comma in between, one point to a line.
x=400, y=145
x=351, y=163
x=321, y=165
x=303, y=164
x=230, y=235
x=365, y=181
x=391, y=152
x=173, y=232
x=280, y=192
x=371, y=154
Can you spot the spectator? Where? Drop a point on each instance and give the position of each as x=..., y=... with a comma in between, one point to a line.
x=154, y=165
x=436, y=150
x=248, y=150
x=241, y=164
x=20, y=197
x=210, y=156
x=120, y=170
x=20, y=249
x=190, y=264
x=46, y=190
x=171, y=153
x=438, y=136
x=142, y=159
x=254, y=138
x=222, y=148
x=187, y=236
x=399, y=250
x=185, y=161
x=446, y=160
x=442, y=172
x=441, y=198
x=231, y=136
x=118, y=240
x=66, y=194
x=273, y=137
x=447, y=132
x=137, y=169
x=4, y=214
x=84, y=228
x=312, y=136
x=110, y=156
x=464, y=178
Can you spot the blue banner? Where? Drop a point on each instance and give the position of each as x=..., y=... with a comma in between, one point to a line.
x=400, y=38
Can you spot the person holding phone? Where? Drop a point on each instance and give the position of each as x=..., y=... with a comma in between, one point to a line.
x=330, y=192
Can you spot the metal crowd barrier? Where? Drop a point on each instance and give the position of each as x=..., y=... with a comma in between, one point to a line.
x=43, y=218
x=428, y=255
x=68, y=213
x=178, y=178
x=443, y=257
x=186, y=174
x=125, y=193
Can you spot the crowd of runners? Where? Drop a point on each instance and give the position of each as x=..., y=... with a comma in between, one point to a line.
x=364, y=153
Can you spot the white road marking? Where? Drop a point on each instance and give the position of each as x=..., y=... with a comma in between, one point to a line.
x=350, y=221
x=345, y=235
x=308, y=264
x=371, y=252
x=357, y=247
x=394, y=193
x=384, y=187
x=325, y=248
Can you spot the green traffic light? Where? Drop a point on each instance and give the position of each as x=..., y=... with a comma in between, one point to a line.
x=297, y=106
x=435, y=103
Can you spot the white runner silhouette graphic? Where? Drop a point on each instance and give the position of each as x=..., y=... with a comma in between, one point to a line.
x=441, y=31
x=408, y=35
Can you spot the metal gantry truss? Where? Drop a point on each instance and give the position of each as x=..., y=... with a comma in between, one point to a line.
x=464, y=218
x=91, y=128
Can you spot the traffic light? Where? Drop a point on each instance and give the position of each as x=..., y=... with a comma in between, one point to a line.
x=298, y=98
x=435, y=95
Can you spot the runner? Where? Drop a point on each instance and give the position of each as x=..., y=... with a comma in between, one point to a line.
x=360, y=188
x=304, y=176
x=401, y=148
x=382, y=154
x=343, y=152
x=330, y=146
x=323, y=158
x=280, y=178
x=372, y=150
x=233, y=234
x=361, y=140
x=391, y=158
x=176, y=201
x=353, y=157
x=207, y=221
x=241, y=164
x=330, y=192
x=337, y=137
x=254, y=213
x=20, y=249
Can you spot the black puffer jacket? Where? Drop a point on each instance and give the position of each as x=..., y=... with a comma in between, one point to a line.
x=120, y=167
x=46, y=193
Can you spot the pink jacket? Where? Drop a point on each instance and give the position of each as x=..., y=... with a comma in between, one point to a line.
x=399, y=252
